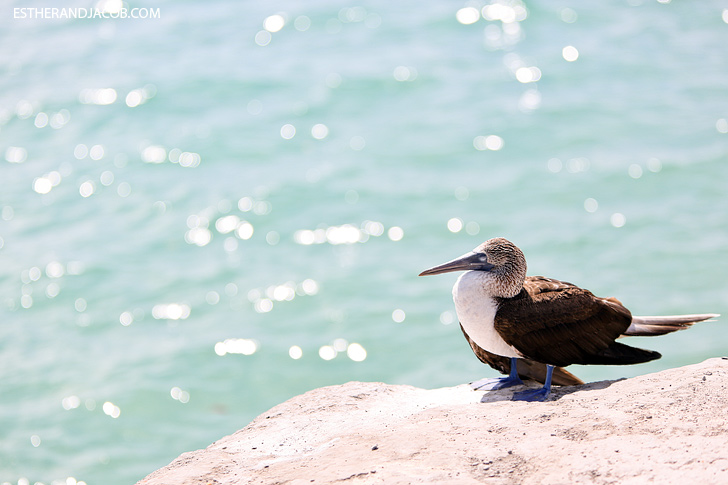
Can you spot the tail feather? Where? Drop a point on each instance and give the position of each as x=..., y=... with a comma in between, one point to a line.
x=660, y=325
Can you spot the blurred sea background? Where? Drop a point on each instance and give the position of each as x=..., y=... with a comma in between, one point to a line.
x=207, y=213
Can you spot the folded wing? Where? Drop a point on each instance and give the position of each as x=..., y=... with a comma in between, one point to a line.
x=557, y=323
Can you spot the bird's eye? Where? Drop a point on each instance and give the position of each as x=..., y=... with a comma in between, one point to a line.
x=482, y=258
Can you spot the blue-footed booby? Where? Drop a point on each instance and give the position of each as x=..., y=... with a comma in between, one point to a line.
x=532, y=326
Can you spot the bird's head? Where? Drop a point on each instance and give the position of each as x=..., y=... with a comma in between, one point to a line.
x=499, y=257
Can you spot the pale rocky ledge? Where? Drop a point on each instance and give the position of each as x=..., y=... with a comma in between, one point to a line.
x=670, y=427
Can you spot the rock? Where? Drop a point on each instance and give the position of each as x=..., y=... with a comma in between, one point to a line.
x=667, y=427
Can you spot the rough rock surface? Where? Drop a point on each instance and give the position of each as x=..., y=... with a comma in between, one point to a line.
x=670, y=427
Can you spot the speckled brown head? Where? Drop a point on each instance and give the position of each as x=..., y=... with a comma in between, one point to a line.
x=499, y=257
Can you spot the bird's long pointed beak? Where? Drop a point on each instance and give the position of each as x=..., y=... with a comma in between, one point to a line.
x=466, y=262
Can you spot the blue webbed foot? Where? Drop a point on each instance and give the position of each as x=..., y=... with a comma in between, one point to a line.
x=499, y=382
x=492, y=384
x=532, y=395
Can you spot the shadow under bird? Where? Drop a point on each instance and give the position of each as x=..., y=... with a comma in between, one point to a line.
x=532, y=326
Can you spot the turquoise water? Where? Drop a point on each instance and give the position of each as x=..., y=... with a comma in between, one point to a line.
x=202, y=218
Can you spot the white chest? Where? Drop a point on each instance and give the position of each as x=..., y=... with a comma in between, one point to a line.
x=476, y=311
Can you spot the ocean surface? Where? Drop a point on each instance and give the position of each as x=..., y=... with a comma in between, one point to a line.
x=208, y=211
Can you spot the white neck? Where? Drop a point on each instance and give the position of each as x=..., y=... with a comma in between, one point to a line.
x=476, y=309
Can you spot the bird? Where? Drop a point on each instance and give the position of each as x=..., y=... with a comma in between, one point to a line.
x=533, y=326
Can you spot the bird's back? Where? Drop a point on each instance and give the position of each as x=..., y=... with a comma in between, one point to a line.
x=558, y=323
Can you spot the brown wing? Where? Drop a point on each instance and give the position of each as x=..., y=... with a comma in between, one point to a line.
x=558, y=323
x=527, y=369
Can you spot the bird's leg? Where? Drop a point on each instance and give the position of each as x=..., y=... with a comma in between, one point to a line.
x=491, y=384
x=537, y=394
